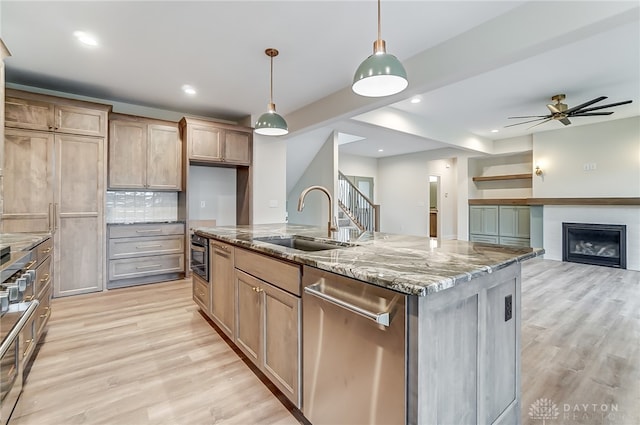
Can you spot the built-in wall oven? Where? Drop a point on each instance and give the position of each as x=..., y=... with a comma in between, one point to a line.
x=200, y=256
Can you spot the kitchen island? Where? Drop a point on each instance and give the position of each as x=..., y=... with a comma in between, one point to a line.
x=444, y=345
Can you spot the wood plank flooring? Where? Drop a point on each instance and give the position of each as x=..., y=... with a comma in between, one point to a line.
x=145, y=355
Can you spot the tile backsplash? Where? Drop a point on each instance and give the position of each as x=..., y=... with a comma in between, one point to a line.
x=137, y=207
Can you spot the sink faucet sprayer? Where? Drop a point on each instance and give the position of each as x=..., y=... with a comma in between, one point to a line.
x=331, y=227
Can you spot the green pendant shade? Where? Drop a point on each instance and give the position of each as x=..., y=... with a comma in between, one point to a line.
x=381, y=74
x=271, y=124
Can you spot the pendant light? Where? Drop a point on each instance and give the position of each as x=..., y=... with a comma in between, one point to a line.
x=270, y=123
x=381, y=74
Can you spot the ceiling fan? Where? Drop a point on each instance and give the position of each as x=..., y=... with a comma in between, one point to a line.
x=560, y=112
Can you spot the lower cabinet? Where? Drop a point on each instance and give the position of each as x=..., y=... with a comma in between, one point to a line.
x=145, y=253
x=268, y=331
x=500, y=224
x=200, y=292
x=222, y=295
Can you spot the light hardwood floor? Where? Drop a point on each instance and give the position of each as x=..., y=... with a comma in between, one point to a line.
x=145, y=355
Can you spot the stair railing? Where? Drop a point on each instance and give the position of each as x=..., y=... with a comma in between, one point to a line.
x=362, y=212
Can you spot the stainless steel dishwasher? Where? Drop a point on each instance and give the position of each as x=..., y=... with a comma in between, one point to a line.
x=354, y=351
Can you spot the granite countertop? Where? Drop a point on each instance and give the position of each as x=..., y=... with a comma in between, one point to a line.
x=148, y=222
x=20, y=243
x=404, y=263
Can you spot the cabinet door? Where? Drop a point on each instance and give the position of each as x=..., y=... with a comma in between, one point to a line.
x=248, y=326
x=490, y=220
x=523, y=222
x=83, y=121
x=514, y=221
x=281, y=361
x=164, y=158
x=237, y=147
x=127, y=155
x=205, y=143
x=222, y=286
x=79, y=215
x=28, y=181
x=475, y=220
x=28, y=114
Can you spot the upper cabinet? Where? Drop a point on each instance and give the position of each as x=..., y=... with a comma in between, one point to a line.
x=216, y=143
x=144, y=154
x=36, y=112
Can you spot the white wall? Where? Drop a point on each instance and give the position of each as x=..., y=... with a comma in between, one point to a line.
x=403, y=191
x=361, y=166
x=495, y=165
x=269, y=179
x=216, y=187
x=323, y=171
x=614, y=148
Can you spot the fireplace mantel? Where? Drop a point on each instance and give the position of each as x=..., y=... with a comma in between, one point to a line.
x=558, y=201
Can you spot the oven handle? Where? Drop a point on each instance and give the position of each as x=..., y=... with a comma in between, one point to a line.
x=197, y=248
x=17, y=328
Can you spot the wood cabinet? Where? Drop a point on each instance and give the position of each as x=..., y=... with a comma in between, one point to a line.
x=222, y=292
x=144, y=154
x=200, y=292
x=145, y=253
x=500, y=224
x=210, y=142
x=47, y=113
x=268, y=331
x=55, y=182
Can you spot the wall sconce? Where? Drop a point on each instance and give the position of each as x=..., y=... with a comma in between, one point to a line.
x=538, y=170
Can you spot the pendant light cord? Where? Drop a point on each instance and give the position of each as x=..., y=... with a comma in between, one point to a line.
x=271, y=82
x=379, y=32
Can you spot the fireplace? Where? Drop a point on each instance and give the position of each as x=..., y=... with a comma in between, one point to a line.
x=598, y=244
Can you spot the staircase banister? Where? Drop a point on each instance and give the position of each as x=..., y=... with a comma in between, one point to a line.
x=355, y=188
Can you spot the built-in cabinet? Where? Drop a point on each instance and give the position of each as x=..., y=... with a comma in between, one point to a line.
x=144, y=154
x=222, y=290
x=255, y=300
x=40, y=288
x=54, y=181
x=145, y=253
x=500, y=224
x=211, y=142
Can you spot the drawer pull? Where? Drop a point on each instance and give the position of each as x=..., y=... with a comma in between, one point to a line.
x=46, y=251
x=29, y=264
x=148, y=267
x=45, y=278
x=224, y=248
x=149, y=231
x=258, y=290
x=148, y=246
x=29, y=298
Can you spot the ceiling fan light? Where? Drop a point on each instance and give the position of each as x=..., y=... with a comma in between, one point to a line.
x=271, y=124
x=381, y=74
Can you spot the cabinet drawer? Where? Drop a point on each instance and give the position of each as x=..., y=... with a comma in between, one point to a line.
x=283, y=275
x=483, y=239
x=146, y=229
x=524, y=242
x=43, y=250
x=201, y=293
x=127, y=268
x=43, y=277
x=139, y=247
x=43, y=313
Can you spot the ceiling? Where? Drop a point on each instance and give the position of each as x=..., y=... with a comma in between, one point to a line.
x=472, y=63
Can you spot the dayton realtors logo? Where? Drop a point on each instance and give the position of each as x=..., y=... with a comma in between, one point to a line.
x=544, y=409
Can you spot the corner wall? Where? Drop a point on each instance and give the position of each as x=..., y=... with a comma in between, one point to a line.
x=322, y=171
x=269, y=179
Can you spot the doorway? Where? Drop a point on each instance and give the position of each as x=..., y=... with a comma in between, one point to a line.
x=434, y=199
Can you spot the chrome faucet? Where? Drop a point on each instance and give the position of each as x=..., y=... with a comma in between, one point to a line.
x=331, y=227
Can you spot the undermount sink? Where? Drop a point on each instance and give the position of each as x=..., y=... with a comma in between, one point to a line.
x=302, y=243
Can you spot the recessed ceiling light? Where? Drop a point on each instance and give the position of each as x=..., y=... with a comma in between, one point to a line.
x=494, y=130
x=188, y=90
x=380, y=150
x=85, y=38
x=415, y=100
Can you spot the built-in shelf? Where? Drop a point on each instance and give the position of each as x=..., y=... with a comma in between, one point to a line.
x=502, y=177
x=556, y=201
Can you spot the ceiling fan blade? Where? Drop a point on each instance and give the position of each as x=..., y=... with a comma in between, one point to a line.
x=524, y=122
x=591, y=114
x=565, y=121
x=585, y=104
x=530, y=116
x=610, y=105
x=553, y=108
x=542, y=122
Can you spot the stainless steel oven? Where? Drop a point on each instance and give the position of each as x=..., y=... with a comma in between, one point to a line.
x=200, y=256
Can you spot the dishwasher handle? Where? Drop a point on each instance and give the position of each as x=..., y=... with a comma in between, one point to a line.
x=381, y=318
